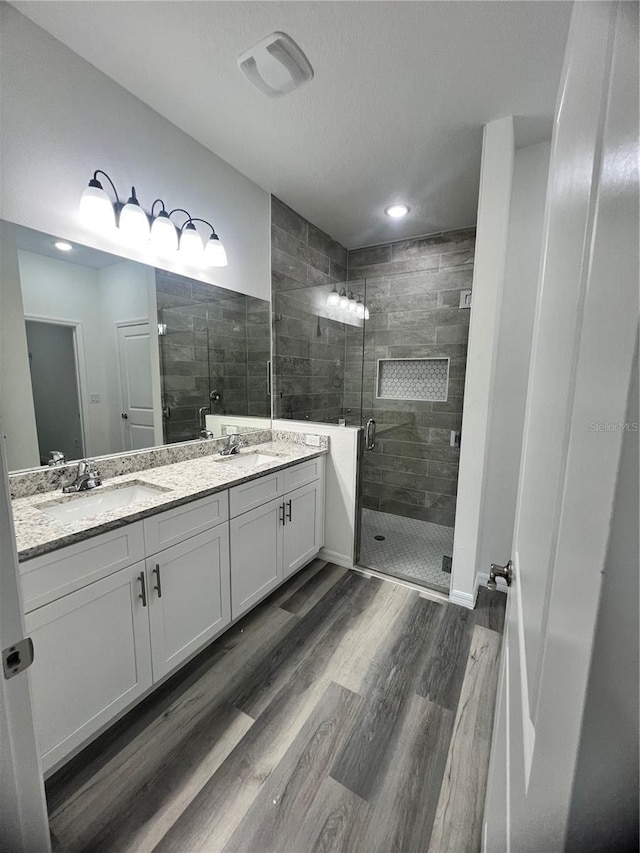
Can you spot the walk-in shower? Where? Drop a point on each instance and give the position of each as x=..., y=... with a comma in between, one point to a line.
x=399, y=374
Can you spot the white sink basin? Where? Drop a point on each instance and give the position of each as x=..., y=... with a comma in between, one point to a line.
x=87, y=504
x=247, y=460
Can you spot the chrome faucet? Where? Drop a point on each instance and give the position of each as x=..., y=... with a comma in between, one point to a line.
x=87, y=477
x=234, y=443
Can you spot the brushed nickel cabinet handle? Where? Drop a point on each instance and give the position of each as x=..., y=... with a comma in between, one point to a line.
x=143, y=589
x=158, y=586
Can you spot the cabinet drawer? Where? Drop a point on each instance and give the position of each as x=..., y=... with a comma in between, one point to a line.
x=255, y=493
x=46, y=578
x=173, y=526
x=305, y=472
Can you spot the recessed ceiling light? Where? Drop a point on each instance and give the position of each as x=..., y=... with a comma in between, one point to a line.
x=397, y=211
x=63, y=246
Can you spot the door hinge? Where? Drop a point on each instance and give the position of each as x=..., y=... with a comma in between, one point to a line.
x=17, y=658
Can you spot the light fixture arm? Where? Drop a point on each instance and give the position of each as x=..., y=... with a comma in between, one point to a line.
x=213, y=230
x=186, y=213
x=113, y=186
x=164, y=209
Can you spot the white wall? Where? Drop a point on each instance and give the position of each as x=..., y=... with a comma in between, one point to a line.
x=340, y=487
x=61, y=119
x=488, y=278
x=515, y=334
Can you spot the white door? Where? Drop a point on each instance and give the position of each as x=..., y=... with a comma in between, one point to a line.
x=256, y=554
x=92, y=658
x=134, y=355
x=302, y=527
x=585, y=333
x=190, y=599
x=23, y=812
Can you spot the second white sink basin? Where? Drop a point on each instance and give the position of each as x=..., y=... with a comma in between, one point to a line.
x=87, y=504
x=247, y=460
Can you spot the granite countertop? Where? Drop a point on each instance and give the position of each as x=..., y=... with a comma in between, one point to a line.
x=181, y=482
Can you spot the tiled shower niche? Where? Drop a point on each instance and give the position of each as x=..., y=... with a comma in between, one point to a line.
x=413, y=379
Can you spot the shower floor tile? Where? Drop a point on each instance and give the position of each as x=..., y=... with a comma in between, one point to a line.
x=412, y=549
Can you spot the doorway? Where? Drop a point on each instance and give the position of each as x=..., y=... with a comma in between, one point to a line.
x=53, y=365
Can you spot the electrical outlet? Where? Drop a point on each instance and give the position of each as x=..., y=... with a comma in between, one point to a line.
x=465, y=299
x=312, y=440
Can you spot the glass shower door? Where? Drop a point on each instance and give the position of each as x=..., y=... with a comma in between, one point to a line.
x=411, y=415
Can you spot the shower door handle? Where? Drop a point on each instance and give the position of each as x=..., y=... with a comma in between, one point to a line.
x=370, y=435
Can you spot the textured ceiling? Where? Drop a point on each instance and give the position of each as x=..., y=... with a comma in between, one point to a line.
x=395, y=110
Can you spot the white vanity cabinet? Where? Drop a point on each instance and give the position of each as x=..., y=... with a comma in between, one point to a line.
x=92, y=659
x=188, y=596
x=101, y=646
x=270, y=542
x=114, y=614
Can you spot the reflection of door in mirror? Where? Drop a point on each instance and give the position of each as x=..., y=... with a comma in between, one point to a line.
x=54, y=380
x=134, y=356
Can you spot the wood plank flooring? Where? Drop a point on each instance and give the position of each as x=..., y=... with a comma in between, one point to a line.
x=344, y=714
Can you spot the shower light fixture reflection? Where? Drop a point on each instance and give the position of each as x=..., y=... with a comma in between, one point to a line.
x=346, y=301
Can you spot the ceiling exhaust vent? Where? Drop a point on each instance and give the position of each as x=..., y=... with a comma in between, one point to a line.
x=276, y=65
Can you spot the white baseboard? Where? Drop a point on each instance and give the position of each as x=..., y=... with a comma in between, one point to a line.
x=464, y=599
x=335, y=557
x=483, y=577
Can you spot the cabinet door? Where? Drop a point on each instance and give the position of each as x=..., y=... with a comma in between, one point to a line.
x=302, y=529
x=256, y=555
x=92, y=659
x=189, y=597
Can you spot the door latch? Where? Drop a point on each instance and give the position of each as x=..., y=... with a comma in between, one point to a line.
x=18, y=657
x=505, y=572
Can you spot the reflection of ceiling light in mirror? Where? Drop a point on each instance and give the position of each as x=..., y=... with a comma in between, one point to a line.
x=397, y=211
x=63, y=246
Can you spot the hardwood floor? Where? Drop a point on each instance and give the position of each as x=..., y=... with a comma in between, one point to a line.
x=344, y=714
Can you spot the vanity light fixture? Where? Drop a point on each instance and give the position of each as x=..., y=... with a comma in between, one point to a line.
x=344, y=299
x=133, y=221
x=63, y=246
x=137, y=227
x=352, y=305
x=397, y=211
x=163, y=232
x=360, y=309
x=333, y=299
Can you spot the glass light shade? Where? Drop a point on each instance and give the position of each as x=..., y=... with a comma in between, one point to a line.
x=191, y=248
x=96, y=210
x=214, y=253
x=133, y=223
x=163, y=234
x=366, y=313
x=359, y=309
x=344, y=300
x=352, y=304
x=333, y=299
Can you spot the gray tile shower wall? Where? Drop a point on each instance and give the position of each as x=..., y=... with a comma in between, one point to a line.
x=413, y=293
x=215, y=341
x=309, y=348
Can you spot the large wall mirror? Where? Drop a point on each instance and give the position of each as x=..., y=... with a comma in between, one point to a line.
x=122, y=356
